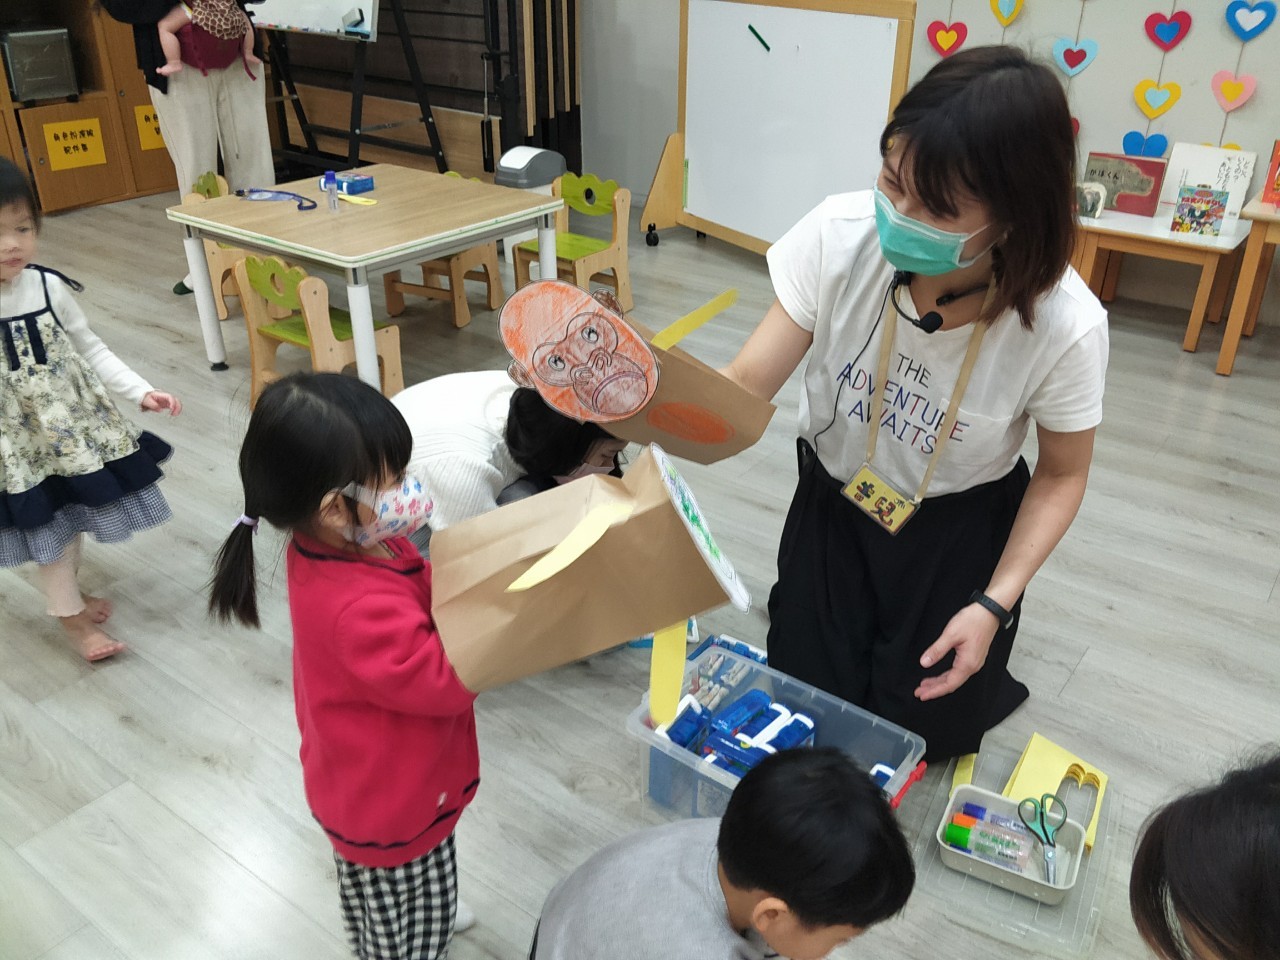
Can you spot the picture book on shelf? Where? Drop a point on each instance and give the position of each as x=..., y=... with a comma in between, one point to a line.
x=1271, y=189
x=1200, y=210
x=1195, y=165
x=1133, y=183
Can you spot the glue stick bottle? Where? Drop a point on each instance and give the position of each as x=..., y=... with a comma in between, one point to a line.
x=331, y=189
x=995, y=844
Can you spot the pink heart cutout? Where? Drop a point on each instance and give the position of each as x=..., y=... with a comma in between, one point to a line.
x=1231, y=91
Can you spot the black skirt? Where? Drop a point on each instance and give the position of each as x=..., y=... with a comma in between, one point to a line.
x=855, y=607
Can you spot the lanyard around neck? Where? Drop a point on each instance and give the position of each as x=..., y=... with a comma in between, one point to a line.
x=953, y=408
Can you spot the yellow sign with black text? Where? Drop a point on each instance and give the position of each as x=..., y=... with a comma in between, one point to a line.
x=75, y=143
x=148, y=127
x=877, y=498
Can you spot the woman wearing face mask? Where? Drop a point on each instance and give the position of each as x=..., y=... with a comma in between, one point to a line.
x=479, y=441
x=939, y=306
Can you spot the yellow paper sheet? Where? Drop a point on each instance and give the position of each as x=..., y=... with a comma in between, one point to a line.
x=1042, y=768
x=669, y=336
x=580, y=539
x=666, y=672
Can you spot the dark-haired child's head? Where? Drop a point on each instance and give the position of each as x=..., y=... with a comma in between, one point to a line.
x=989, y=128
x=311, y=435
x=1205, y=883
x=546, y=443
x=19, y=220
x=812, y=853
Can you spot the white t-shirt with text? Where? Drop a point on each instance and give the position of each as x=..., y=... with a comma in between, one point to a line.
x=829, y=275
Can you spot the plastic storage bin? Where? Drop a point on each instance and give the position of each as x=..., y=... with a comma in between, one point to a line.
x=40, y=66
x=1031, y=883
x=680, y=781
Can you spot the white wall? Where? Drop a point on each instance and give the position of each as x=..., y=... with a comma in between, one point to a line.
x=630, y=55
x=631, y=50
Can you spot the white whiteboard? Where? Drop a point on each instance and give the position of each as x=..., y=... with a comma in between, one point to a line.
x=770, y=133
x=320, y=16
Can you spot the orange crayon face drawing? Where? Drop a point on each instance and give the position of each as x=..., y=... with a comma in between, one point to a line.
x=582, y=359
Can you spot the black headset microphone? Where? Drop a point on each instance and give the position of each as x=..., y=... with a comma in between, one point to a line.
x=932, y=320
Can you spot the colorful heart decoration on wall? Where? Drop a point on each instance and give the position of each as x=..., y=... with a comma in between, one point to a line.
x=1250, y=19
x=1232, y=91
x=1155, y=99
x=946, y=38
x=1072, y=56
x=1075, y=127
x=1006, y=11
x=1167, y=32
x=1136, y=145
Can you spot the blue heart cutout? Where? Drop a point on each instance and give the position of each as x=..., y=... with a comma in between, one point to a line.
x=1063, y=44
x=1168, y=32
x=1237, y=7
x=1136, y=145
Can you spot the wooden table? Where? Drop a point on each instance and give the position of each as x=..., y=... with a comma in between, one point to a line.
x=1120, y=233
x=419, y=216
x=1264, y=234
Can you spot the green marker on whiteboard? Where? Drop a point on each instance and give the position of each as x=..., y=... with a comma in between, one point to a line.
x=756, y=34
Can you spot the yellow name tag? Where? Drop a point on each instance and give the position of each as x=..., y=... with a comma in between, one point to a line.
x=872, y=495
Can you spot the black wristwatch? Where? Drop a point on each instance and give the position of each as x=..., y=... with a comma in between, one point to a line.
x=1004, y=616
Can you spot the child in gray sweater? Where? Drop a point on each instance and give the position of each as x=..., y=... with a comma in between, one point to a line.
x=807, y=856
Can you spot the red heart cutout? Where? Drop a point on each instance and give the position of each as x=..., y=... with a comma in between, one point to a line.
x=946, y=38
x=1073, y=57
x=1181, y=20
x=1075, y=127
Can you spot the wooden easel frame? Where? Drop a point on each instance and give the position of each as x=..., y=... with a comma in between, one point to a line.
x=357, y=133
x=665, y=204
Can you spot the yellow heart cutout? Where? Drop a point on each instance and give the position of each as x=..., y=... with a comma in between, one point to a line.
x=1231, y=89
x=946, y=39
x=1166, y=95
x=1225, y=146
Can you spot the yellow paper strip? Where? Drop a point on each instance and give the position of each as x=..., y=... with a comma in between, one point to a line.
x=580, y=539
x=964, y=771
x=670, y=335
x=666, y=672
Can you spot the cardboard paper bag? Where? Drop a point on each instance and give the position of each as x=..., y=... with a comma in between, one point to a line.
x=655, y=564
x=591, y=363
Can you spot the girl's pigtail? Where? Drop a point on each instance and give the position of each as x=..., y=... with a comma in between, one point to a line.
x=233, y=590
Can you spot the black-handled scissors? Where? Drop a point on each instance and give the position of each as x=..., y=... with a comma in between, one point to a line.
x=256, y=193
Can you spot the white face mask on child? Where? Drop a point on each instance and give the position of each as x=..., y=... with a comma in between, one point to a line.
x=397, y=512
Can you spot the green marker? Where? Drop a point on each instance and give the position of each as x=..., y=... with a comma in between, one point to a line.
x=756, y=34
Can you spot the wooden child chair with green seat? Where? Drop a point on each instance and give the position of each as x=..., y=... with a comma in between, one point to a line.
x=478, y=263
x=581, y=259
x=221, y=257
x=284, y=305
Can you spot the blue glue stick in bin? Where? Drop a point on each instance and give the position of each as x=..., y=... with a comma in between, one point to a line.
x=730, y=719
x=689, y=728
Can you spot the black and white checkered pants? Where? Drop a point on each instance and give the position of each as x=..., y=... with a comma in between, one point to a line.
x=401, y=913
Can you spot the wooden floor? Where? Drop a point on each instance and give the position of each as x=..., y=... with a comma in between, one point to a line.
x=151, y=806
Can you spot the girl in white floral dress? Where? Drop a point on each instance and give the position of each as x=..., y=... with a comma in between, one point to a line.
x=70, y=462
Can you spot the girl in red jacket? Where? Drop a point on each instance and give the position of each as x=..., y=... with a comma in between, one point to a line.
x=389, y=757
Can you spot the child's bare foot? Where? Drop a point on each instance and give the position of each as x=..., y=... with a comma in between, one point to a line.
x=89, y=639
x=170, y=68
x=98, y=608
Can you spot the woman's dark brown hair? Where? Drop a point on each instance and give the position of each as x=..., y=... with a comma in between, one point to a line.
x=1207, y=871
x=993, y=124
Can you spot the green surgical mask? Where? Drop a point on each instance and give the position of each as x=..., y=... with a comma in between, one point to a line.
x=917, y=247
